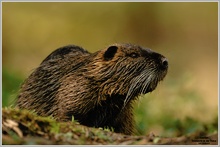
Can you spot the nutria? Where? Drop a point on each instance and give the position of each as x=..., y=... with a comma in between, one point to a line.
x=97, y=89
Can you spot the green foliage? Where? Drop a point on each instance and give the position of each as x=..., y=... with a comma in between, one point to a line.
x=109, y=129
x=55, y=127
x=73, y=119
x=10, y=87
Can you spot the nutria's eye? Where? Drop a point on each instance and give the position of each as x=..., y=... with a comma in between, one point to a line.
x=134, y=55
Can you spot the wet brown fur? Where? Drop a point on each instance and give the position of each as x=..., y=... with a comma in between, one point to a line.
x=98, y=89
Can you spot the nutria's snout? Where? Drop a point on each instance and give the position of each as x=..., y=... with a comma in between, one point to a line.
x=164, y=62
x=163, y=67
x=159, y=61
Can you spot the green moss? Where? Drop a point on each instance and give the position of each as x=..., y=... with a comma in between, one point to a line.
x=29, y=128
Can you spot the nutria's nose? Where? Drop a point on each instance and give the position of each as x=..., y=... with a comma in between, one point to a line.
x=164, y=62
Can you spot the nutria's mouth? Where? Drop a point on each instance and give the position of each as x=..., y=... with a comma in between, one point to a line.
x=150, y=88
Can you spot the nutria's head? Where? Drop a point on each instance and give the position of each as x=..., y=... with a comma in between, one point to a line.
x=127, y=70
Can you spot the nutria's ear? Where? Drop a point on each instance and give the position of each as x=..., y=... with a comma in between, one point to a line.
x=110, y=52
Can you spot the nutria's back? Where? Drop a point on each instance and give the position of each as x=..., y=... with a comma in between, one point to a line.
x=97, y=89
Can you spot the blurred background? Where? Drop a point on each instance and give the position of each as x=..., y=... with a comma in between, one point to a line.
x=185, y=32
